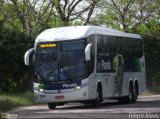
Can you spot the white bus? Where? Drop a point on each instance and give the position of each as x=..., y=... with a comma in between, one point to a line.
x=87, y=64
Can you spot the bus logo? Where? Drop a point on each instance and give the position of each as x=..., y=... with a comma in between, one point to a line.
x=69, y=85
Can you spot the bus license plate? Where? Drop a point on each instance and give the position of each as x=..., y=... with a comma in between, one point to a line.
x=59, y=97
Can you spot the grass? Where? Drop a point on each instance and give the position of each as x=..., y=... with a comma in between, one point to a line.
x=151, y=91
x=10, y=101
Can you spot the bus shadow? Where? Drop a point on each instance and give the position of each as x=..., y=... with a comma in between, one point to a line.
x=112, y=105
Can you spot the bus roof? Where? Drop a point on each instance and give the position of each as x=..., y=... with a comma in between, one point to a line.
x=76, y=32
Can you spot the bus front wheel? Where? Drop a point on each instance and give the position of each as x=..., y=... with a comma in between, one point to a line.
x=99, y=99
x=51, y=106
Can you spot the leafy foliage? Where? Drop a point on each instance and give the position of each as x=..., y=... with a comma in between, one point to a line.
x=13, y=45
x=152, y=45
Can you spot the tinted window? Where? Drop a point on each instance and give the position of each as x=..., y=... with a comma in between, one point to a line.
x=132, y=65
x=105, y=49
x=133, y=47
x=109, y=46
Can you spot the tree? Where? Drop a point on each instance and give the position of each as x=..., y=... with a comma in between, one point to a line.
x=108, y=19
x=123, y=10
x=152, y=45
x=69, y=10
x=29, y=14
x=117, y=14
x=146, y=15
x=14, y=76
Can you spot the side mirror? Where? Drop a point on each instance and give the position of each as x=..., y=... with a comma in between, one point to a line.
x=27, y=56
x=88, y=52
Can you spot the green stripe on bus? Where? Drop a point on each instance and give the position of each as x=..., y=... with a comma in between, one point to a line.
x=42, y=86
x=137, y=65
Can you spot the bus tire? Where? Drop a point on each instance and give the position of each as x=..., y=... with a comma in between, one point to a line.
x=137, y=91
x=52, y=106
x=131, y=98
x=134, y=98
x=98, y=100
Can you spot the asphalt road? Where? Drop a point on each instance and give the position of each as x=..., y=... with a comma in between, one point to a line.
x=146, y=107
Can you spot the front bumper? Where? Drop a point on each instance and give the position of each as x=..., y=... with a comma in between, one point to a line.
x=67, y=95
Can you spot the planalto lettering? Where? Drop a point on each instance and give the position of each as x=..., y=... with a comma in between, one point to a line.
x=69, y=85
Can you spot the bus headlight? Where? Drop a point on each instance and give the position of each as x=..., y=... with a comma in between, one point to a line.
x=81, y=86
x=78, y=87
x=39, y=90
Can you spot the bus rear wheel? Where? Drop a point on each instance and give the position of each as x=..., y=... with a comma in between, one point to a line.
x=52, y=106
x=132, y=96
x=135, y=94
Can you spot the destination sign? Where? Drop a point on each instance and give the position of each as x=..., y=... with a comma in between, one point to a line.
x=50, y=45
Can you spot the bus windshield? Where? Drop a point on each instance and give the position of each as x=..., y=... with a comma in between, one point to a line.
x=72, y=60
x=61, y=61
x=46, y=62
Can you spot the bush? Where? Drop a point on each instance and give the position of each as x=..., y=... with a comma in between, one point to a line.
x=152, y=55
x=14, y=76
